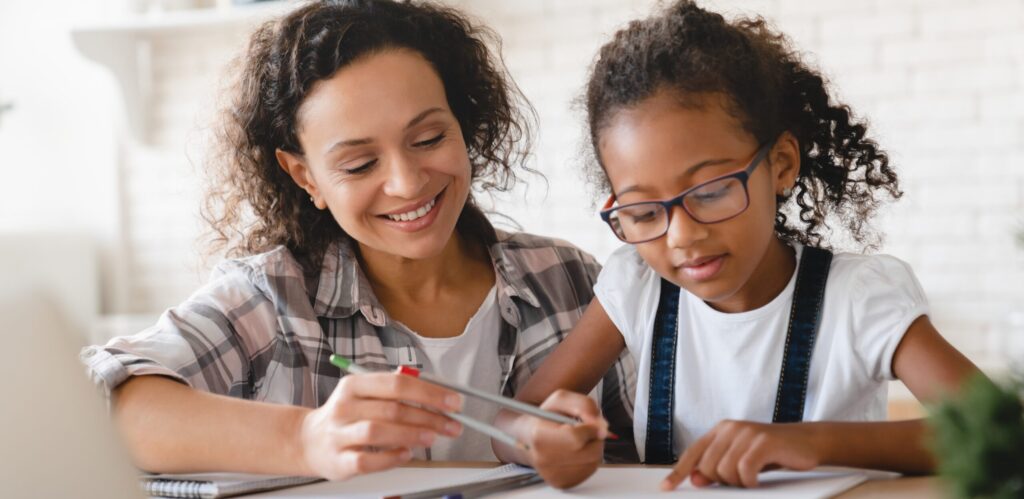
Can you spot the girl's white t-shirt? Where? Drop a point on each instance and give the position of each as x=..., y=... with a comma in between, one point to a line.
x=728, y=365
x=469, y=359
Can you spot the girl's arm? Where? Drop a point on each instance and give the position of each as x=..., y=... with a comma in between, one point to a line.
x=735, y=451
x=566, y=455
x=169, y=427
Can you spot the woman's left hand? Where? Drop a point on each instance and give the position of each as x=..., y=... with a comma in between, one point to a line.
x=734, y=452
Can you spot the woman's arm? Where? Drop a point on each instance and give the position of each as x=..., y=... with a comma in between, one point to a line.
x=735, y=451
x=171, y=428
x=566, y=455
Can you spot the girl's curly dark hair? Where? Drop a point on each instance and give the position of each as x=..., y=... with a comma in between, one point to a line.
x=770, y=90
x=253, y=205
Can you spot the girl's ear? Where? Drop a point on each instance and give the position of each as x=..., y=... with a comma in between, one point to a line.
x=295, y=166
x=785, y=161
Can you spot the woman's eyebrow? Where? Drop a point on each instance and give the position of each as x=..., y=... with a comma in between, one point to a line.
x=360, y=142
x=422, y=116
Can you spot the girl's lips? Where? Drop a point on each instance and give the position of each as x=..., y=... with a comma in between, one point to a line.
x=705, y=269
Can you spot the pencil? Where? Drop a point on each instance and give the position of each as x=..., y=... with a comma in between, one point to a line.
x=508, y=403
x=467, y=421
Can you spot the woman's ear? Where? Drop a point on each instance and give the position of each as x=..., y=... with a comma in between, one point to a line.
x=296, y=168
x=785, y=162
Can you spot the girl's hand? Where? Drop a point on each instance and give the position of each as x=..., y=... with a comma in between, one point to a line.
x=368, y=424
x=734, y=452
x=565, y=455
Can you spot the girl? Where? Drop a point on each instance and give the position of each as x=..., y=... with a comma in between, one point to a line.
x=356, y=133
x=727, y=162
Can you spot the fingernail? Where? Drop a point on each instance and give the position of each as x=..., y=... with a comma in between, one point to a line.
x=452, y=428
x=453, y=402
x=427, y=437
x=405, y=455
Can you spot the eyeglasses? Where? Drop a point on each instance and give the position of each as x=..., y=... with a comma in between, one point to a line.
x=716, y=200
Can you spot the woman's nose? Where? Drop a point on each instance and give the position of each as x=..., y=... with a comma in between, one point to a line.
x=683, y=230
x=406, y=179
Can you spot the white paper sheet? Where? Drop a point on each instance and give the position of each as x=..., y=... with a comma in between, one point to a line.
x=607, y=482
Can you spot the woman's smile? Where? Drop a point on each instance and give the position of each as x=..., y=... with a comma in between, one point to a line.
x=416, y=217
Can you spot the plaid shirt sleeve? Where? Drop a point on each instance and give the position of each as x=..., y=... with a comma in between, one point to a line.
x=207, y=342
x=559, y=278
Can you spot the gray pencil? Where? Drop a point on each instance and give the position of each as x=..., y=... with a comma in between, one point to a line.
x=467, y=421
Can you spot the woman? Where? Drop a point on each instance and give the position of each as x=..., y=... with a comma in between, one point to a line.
x=351, y=147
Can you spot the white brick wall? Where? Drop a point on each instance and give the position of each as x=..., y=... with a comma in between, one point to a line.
x=941, y=81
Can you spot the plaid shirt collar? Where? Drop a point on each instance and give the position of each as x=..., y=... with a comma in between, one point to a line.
x=343, y=288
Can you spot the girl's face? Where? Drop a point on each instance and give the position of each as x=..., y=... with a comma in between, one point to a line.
x=384, y=153
x=659, y=148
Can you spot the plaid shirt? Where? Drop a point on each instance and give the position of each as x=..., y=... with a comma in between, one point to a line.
x=261, y=330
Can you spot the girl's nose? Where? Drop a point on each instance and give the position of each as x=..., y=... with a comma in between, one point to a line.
x=406, y=179
x=683, y=230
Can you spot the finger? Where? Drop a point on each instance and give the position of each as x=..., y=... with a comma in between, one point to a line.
x=751, y=463
x=394, y=386
x=698, y=480
x=708, y=463
x=358, y=462
x=728, y=466
x=549, y=438
x=389, y=410
x=576, y=405
x=381, y=434
x=686, y=463
x=590, y=454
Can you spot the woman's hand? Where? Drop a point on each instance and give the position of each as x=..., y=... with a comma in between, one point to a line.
x=371, y=423
x=734, y=452
x=565, y=455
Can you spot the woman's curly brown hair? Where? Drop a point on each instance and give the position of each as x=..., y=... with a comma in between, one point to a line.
x=253, y=204
x=843, y=174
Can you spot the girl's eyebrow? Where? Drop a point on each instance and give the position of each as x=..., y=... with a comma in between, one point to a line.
x=689, y=171
x=360, y=142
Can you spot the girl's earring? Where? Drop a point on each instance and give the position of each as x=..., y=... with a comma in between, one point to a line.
x=787, y=192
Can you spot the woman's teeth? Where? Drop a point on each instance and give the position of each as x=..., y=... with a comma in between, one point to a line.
x=413, y=215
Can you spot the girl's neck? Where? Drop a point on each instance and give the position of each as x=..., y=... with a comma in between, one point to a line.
x=770, y=278
x=425, y=280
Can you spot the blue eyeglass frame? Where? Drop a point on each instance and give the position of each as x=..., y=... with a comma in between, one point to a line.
x=743, y=175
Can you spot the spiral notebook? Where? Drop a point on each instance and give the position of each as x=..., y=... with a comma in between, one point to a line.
x=216, y=485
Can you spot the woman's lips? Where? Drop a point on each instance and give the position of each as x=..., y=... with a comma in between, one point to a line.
x=420, y=223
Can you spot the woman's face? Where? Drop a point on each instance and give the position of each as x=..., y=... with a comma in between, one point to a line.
x=384, y=153
x=659, y=148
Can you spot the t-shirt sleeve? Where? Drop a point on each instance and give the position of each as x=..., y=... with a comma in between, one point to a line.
x=887, y=298
x=203, y=342
x=628, y=291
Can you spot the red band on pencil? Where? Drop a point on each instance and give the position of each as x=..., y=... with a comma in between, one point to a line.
x=409, y=371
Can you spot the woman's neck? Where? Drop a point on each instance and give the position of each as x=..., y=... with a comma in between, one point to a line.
x=425, y=280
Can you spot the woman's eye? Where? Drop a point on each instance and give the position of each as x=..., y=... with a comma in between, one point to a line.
x=361, y=168
x=429, y=142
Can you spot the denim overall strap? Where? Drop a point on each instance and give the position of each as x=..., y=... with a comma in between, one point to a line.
x=804, y=318
x=658, y=447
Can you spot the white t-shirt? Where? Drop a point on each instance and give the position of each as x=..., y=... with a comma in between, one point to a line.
x=728, y=365
x=468, y=359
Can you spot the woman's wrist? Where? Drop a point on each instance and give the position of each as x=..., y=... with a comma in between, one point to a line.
x=295, y=442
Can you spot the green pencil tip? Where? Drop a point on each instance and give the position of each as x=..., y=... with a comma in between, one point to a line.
x=341, y=362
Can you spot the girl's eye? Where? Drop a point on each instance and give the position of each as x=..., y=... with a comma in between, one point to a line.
x=363, y=168
x=430, y=142
x=713, y=194
x=647, y=216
